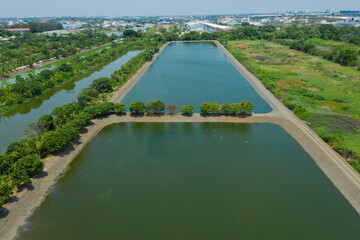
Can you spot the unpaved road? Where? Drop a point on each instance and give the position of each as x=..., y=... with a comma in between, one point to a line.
x=344, y=177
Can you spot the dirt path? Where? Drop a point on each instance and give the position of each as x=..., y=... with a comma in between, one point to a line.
x=344, y=177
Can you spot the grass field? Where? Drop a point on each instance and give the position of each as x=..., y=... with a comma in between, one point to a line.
x=324, y=94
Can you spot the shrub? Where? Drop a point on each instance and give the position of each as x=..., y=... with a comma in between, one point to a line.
x=187, y=109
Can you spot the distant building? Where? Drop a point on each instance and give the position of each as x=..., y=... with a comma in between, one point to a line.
x=198, y=26
x=211, y=27
x=20, y=30
x=195, y=26
x=349, y=12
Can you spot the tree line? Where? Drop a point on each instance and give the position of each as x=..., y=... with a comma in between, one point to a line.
x=29, y=48
x=35, y=84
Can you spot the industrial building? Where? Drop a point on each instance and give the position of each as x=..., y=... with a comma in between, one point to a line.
x=198, y=26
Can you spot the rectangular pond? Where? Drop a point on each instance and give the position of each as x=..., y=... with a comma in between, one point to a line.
x=194, y=181
x=194, y=73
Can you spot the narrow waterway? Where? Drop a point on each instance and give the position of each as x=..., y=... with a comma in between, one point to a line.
x=14, y=122
x=194, y=181
x=194, y=73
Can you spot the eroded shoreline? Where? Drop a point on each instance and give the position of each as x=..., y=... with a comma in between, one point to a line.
x=342, y=175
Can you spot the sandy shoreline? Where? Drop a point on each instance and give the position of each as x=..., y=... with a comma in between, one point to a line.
x=343, y=176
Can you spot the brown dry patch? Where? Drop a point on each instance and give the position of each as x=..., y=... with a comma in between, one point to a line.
x=314, y=89
x=325, y=107
x=260, y=57
x=240, y=45
x=290, y=83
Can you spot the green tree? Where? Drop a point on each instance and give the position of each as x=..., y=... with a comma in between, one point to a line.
x=137, y=107
x=119, y=108
x=226, y=108
x=102, y=84
x=245, y=107
x=155, y=107
x=187, y=109
x=234, y=108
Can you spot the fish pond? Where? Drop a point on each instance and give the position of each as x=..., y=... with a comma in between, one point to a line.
x=193, y=181
x=194, y=73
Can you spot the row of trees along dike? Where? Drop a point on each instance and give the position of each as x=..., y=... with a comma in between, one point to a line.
x=157, y=107
x=26, y=88
x=50, y=134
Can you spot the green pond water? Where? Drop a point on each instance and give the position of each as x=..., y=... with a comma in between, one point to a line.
x=193, y=181
x=191, y=74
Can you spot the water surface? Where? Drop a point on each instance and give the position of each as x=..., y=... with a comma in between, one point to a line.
x=194, y=73
x=14, y=122
x=194, y=181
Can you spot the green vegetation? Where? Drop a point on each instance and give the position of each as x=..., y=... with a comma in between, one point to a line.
x=53, y=131
x=34, y=85
x=31, y=48
x=36, y=27
x=137, y=107
x=243, y=108
x=324, y=94
x=187, y=109
x=155, y=107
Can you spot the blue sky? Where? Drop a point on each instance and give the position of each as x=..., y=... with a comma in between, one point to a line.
x=163, y=7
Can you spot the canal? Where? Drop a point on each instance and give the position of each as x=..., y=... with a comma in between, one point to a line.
x=193, y=181
x=194, y=73
x=14, y=122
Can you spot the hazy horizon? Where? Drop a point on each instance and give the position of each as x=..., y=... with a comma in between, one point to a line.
x=25, y=8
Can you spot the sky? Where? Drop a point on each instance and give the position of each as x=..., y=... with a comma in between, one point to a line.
x=28, y=8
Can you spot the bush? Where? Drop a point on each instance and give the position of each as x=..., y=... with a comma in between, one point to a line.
x=137, y=107
x=187, y=109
